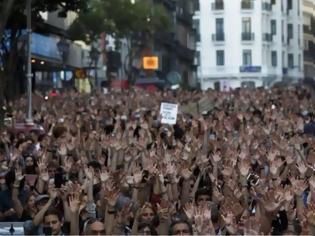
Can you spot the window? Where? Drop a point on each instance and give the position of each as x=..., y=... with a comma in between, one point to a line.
x=220, y=58
x=219, y=25
x=247, y=4
x=300, y=63
x=198, y=57
x=290, y=60
x=290, y=31
x=247, y=57
x=274, y=58
x=273, y=26
x=246, y=25
x=289, y=4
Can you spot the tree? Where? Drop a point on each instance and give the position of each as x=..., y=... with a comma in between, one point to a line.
x=120, y=18
x=137, y=22
x=12, y=28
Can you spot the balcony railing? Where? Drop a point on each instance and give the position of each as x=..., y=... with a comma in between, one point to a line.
x=218, y=5
x=196, y=5
x=267, y=37
x=247, y=36
x=218, y=37
x=185, y=17
x=247, y=5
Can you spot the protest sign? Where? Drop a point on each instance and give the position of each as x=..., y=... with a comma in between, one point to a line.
x=168, y=113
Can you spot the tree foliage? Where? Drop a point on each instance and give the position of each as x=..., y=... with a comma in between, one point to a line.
x=120, y=18
x=12, y=24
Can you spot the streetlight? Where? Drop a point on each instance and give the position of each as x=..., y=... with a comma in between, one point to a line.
x=29, y=118
x=94, y=55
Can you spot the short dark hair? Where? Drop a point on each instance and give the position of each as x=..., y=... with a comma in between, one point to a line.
x=144, y=225
x=180, y=221
x=53, y=211
x=203, y=191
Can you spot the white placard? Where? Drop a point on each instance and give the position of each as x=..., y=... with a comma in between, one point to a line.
x=168, y=113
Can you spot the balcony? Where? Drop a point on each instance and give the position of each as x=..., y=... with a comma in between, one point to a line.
x=169, y=4
x=218, y=6
x=196, y=5
x=247, y=5
x=218, y=37
x=184, y=16
x=266, y=6
x=184, y=52
x=307, y=29
x=267, y=37
x=198, y=38
x=166, y=38
x=247, y=36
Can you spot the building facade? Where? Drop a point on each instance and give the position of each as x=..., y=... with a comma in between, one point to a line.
x=309, y=38
x=55, y=57
x=249, y=43
x=176, y=48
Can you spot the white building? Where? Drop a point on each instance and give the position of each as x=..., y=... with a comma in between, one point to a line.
x=309, y=38
x=247, y=43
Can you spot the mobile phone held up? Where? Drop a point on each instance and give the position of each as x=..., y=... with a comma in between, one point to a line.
x=253, y=180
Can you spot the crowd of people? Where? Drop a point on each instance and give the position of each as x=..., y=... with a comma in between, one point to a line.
x=106, y=165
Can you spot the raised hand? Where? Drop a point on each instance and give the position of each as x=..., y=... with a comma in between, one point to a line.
x=137, y=176
x=53, y=194
x=216, y=157
x=275, y=167
x=227, y=216
x=271, y=202
x=244, y=167
x=227, y=171
x=300, y=165
x=163, y=213
x=74, y=203
x=189, y=210
x=111, y=193
x=43, y=171
x=104, y=175
x=298, y=186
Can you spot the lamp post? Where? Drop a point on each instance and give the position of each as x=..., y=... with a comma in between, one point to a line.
x=29, y=118
x=94, y=55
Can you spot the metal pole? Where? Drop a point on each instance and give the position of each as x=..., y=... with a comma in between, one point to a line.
x=29, y=118
x=96, y=77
